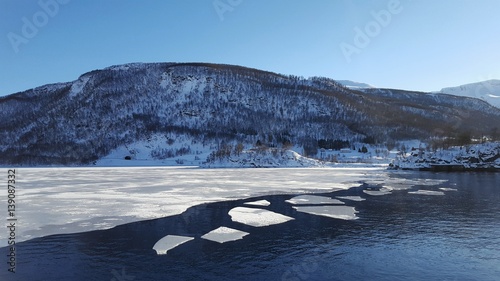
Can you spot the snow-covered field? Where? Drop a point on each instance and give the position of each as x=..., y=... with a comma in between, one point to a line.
x=182, y=150
x=68, y=200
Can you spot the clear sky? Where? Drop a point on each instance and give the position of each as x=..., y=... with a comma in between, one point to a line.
x=417, y=45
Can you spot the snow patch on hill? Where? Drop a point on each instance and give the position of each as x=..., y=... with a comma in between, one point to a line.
x=78, y=86
x=159, y=150
x=174, y=149
x=260, y=158
x=181, y=150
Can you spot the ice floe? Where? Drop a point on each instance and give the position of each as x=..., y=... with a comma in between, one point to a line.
x=331, y=211
x=313, y=199
x=426, y=192
x=398, y=186
x=257, y=217
x=258, y=203
x=391, y=184
x=382, y=191
x=430, y=182
x=169, y=242
x=376, y=181
x=448, y=189
x=224, y=234
x=352, y=198
x=404, y=184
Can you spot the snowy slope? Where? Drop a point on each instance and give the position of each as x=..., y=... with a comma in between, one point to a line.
x=488, y=91
x=158, y=150
x=271, y=158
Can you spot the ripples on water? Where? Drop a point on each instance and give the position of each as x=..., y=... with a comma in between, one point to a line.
x=398, y=236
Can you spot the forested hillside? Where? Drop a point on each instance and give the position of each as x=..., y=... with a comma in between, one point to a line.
x=81, y=121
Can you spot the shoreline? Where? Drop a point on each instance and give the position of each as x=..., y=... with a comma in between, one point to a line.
x=452, y=168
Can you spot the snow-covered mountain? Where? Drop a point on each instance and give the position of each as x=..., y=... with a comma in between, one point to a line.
x=488, y=91
x=354, y=85
x=166, y=110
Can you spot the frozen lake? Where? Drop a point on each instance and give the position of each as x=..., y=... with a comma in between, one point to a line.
x=256, y=224
x=69, y=200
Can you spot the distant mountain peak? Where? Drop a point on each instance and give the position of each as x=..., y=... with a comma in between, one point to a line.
x=354, y=85
x=488, y=91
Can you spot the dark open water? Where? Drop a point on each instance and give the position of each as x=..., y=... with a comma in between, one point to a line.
x=399, y=236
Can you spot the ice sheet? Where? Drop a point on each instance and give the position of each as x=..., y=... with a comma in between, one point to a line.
x=224, y=234
x=397, y=186
x=352, y=198
x=426, y=192
x=257, y=217
x=169, y=242
x=337, y=212
x=404, y=184
x=258, y=203
x=69, y=200
x=382, y=191
x=313, y=199
x=430, y=182
x=448, y=189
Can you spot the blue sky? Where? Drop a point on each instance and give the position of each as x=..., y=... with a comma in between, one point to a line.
x=417, y=45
